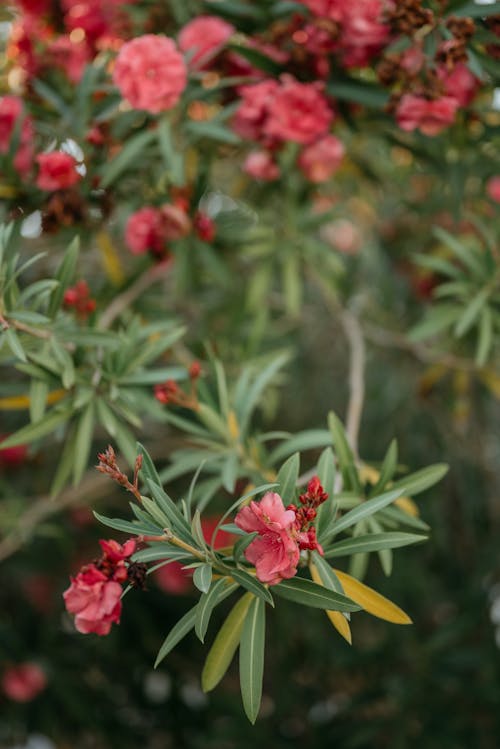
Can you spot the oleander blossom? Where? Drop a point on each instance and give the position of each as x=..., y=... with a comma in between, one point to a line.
x=23, y=682
x=430, y=116
x=493, y=188
x=11, y=112
x=150, y=73
x=204, y=37
x=150, y=229
x=321, y=159
x=275, y=551
x=94, y=596
x=57, y=171
x=298, y=112
x=95, y=601
x=251, y=115
x=261, y=165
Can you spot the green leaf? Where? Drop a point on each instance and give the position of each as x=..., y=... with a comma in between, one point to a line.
x=287, y=478
x=485, y=339
x=65, y=464
x=465, y=254
x=254, y=391
x=327, y=575
x=477, y=10
x=388, y=469
x=65, y=275
x=254, y=586
x=257, y=59
x=126, y=526
x=364, y=510
x=38, y=429
x=219, y=590
x=437, y=320
x=148, y=470
x=213, y=421
x=344, y=453
x=326, y=474
x=421, y=480
x=38, y=398
x=203, y=577
x=229, y=472
x=472, y=312
x=361, y=93
x=15, y=344
x=176, y=634
x=84, y=433
x=309, y=439
x=224, y=647
x=213, y=131
x=307, y=593
x=252, y=645
x=372, y=542
x=175, y=517
x=134, y=148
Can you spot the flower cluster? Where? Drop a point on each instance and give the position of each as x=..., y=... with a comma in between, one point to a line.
x=94, y=596
x=78, y=297
x=282, y=533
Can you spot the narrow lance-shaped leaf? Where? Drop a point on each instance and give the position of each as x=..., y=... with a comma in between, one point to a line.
x=307, y=593
x=176, y=634
x=287, y=478
x=336, y=617
x=224, y=647
x=363, y=511
x=252, y=658
x=219, y=590
x=371, y=601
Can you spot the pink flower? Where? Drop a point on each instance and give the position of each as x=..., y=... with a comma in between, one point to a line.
x=261, y=165
x=321, y=159
x=493, y=189
x=204, y=36
x=172, y=578
x=252, y=112
x=274, y=552
x=144, y=231
x=430, y=116
x=71, y=57
x=204, y=227
x=115, y=552
x=23, y=682
x=11, y=110
x=298, y=112
x=150, y=73
x=35, y=7
x=11, y=457
x=331, y=9
x=459, y=83
x=95, y=600
x=149, y=229
x=95, y=17
x=57, y=171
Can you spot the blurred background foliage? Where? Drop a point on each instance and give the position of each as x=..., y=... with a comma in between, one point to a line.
x=265, y=283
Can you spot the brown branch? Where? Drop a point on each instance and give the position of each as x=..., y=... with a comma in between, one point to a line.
x=127, y=298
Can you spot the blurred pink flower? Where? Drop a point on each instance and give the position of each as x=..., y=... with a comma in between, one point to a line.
x=144, y=231
x=72, y=57
x=459, y=83
x=11, y=111
x=430, y=116
x=252, y=113
x=23, y=682
x=150, y=73
x=261, y=165
x=321, y=159
x=57, y=171
x=95, y=600
x=298, y=112
x=95, y=17
x=204, y=36
x=275, y=551
x=35, y=7
x=331, y=9
x=493, y=188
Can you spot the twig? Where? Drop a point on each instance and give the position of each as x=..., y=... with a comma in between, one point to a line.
x=128, y=297
x=354, y=335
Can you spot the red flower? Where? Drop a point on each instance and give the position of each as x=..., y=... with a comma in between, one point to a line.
x=57, y=171
x=94, y=598
x=430, y=116
x=115, y=552
x=78, y=297
x=321, y=159
x=204, y=227
x=144, y=231
x=274, y=552
x=261, y=165
x=298, y=112
x=11, y=110
x=23, y=682
x=204, y=37
x=493, y=189
x=10, y=457
x=150, y=73
x=252, y=112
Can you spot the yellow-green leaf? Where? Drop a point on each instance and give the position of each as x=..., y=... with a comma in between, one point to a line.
x=372, y=601
x=224, y=647
x=336, y=617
